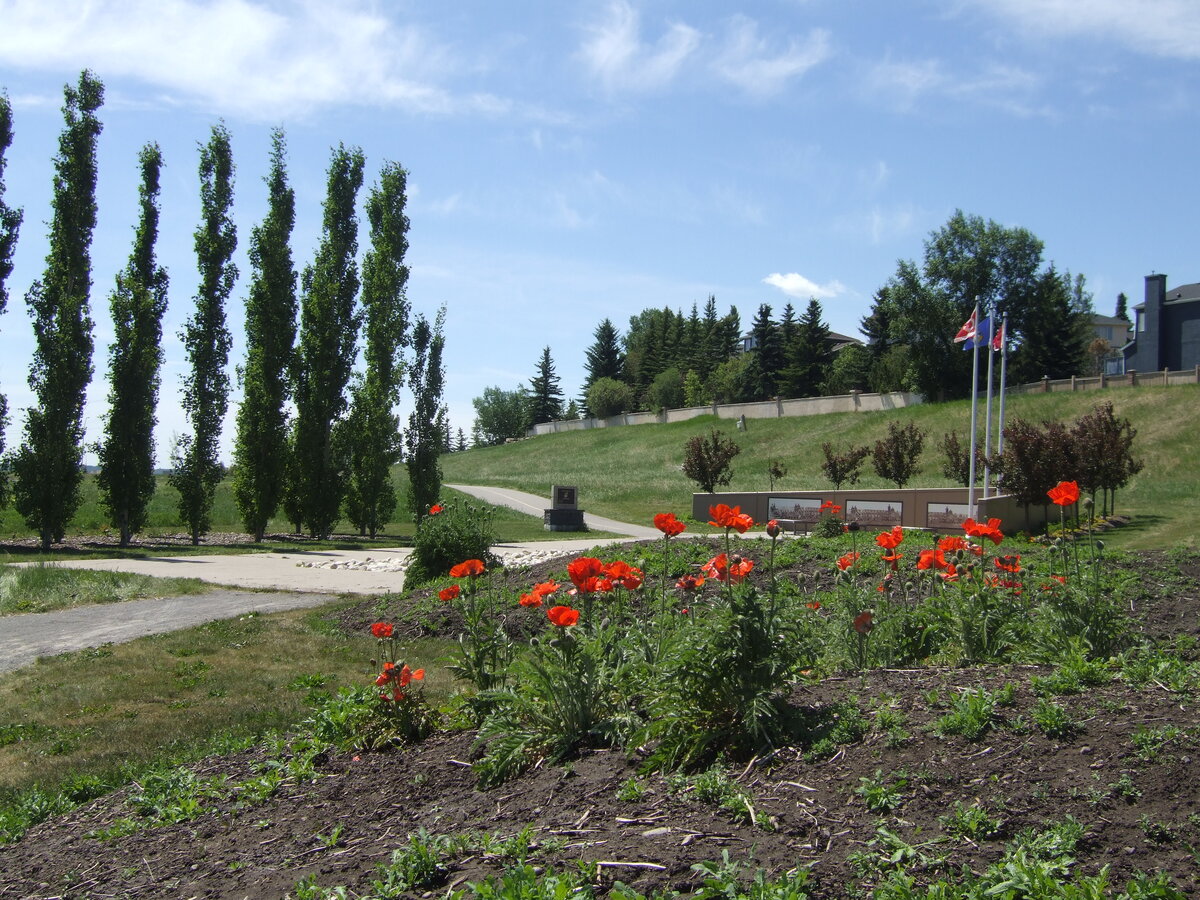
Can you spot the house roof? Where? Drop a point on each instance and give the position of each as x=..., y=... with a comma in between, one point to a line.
x=1183, y=293
x=1098, y=319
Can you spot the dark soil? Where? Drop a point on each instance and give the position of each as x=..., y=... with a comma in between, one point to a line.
x=1141, y=814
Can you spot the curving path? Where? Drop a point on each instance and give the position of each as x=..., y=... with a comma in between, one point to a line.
x=252, y=582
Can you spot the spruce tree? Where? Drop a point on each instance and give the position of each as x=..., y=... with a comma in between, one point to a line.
x=768, y=359
x=261, y=447
x=10, y=226
x=326, y=349
x=48, y=464
x=603, y=359
x=809, y=357
x=423, y=440
x=137, y=305
x=545, y=396
x=196, y=467
x=372, y=431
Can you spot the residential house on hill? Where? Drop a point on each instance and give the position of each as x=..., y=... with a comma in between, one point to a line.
x=1166, y=331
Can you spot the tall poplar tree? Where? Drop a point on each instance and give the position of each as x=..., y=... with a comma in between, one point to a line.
x=261, y=447
x=372, y=431
x=326, y=350
x=48, y=464
x=424, y=439
x=10, y=226
x=137, y=304
x=197, y=470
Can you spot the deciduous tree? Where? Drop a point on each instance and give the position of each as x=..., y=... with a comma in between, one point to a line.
x=48, y=464
x=325, y=355
x=708, y=460
x=895, y=458
x=500, y=415
x=137, y=304
x=196, y=466
x=10, y=227
x=372, y=430
x=261, y=447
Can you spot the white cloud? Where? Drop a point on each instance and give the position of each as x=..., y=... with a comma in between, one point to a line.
x=1005, y=87
x=242, y=56
x=796, y=285
x=616, y=54
x=748, y=61
x=1168, y=28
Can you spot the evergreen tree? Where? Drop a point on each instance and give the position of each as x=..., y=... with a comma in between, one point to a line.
x=423, y=441
x=47, y=466
x=197, y=469
x=545, y=397
x=809, y=358
x=373, y=429
x=10, y=226
x=1122, y=305
x=1056, y=333
x=461, y=443
x=261, y=447
x=137, y=304
x=767, y=357
x=326, y=350
x=603, y=359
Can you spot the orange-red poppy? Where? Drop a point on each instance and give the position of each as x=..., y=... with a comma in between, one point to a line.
x=668, y=524
x=584, y=571
x=381, y=630
x=447, y=594
x=773, y=529
x=562, y=616
x=1064, y=493
x=435, y=509
x=531, y=599
x=864, y=622
x=730, y=517
x=991, y=530
x=846, y=561
x=467, y=569
x=690, y=582
x=890, y=540
x=1009, y=563
x=722, y=569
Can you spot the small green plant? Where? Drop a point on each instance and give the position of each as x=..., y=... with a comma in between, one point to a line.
x=420, y=865
x=1156, y=832
x=333, y=839
x=1054, y=721
x=975, y=712
x=714, y=787
x=1125, y=788
x=631, y=790
x=970, y=823
x=881, y=796
x=461, y=530
x=1149, y=742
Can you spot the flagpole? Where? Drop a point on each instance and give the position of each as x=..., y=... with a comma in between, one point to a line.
x=1003, y=379
x=974, y=406
x=987, y=432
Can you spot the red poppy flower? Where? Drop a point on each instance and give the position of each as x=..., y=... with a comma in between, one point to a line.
x=447, y=594
x=814, y=605
x=730, y=517
x=531, y=599
x=381, y=630
x=668, y=524
x=584, y=571
x=836, y=509
x=617, y=569
x=990, y=530
x=773, y=529
x=864, y=622
x=690, y=582
x=407, y=675
x=467, y=569
x=435, y=509
x=893, y=558
x=720, y=568
x=846, y=561
x=953, y=542
x=562, y=616
x=1064, y=493
x=1009, y=563
x=544, y=589
x=633, y=580
x=890, y=540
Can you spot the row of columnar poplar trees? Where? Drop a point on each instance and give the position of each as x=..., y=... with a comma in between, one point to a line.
x=314, y=437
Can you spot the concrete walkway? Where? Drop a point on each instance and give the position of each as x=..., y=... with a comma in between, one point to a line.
x=254, y=582
x=533, y=505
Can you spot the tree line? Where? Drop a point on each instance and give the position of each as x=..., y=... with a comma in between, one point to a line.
x=666, y=359
x=314, y=438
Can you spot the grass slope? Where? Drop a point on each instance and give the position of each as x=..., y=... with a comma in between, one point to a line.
x=633, y=472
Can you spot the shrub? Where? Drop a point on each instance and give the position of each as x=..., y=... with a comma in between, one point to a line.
x=666, y=391
x=895, y=457
x=609, y=397
x=461, y=531
x=843, y=468
x=708, y=461
x=957, y=464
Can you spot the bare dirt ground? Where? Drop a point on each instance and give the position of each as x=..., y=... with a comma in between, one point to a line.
x=1140, y=811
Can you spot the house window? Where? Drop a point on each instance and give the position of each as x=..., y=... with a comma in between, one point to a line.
x=1141, y=321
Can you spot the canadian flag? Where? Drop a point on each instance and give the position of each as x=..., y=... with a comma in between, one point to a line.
x=1001, y=333
x=968, y=330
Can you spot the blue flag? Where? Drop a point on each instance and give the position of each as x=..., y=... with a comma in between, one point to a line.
x=982, y=335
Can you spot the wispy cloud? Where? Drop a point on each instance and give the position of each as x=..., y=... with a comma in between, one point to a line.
x=616, y=54
x=1166, y=28
x=243, y=57
x=751, y=63
x=1002, y=86
x=796, y=285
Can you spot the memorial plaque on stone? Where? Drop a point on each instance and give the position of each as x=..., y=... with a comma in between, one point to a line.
x=564, y=514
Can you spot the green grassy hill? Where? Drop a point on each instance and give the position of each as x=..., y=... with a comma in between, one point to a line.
x=631, y=473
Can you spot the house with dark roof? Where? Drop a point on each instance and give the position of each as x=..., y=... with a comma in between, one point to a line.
x=1166, y=328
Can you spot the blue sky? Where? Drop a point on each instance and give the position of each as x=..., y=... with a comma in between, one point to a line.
x=572, y=161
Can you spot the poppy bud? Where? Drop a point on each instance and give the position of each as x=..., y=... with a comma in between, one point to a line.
x=773, y=529
x=853, y=526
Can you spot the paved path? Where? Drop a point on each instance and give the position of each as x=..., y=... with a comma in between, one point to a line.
x=269, y=582
x=26, y=637
x=533, y=505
